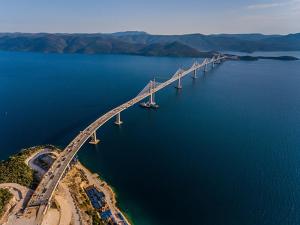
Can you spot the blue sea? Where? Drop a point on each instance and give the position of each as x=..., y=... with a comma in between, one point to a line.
x=224, y=150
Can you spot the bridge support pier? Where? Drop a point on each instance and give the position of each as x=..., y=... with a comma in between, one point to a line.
x=151, y=102
x=179, y=86
x=94, y=139
x=194, y=74
x=151, y=99
x=205, y=68
x=118, y=119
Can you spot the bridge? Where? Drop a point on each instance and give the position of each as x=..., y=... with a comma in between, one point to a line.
x=44, y=192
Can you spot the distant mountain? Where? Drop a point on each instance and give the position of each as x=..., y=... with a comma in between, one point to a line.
x=172, y=49
x=125, y=33
x=224, y=42
x=142, y=43
x=247, y=37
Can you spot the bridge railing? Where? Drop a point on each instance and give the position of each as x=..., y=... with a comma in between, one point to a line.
x=74, y=146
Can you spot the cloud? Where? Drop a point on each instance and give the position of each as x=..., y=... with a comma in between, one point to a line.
x=264, y=6
x=273, y=5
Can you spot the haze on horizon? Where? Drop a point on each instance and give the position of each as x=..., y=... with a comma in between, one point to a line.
x=155, y=16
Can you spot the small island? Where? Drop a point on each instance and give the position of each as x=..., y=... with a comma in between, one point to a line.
x=255, y=58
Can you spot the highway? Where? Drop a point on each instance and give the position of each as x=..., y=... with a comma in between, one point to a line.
x=47, y=186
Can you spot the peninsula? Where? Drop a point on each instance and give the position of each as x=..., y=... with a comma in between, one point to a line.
x=81, y=198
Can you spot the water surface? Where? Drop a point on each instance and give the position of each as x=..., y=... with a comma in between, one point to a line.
x=222, y=151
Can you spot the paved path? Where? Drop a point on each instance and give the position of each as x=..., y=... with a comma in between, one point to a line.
x=30, y=160
x=67, y=211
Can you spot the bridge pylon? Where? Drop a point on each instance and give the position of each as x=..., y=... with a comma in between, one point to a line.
x=194, y=74
x=150, y=88
x=152, y=94
x=94, y=139
x=179, y=86
x=118, y=119
x=218, y=59
x=205, y=68
x=44, y=193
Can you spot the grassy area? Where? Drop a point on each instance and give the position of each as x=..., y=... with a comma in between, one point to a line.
x=5, y=197
x=14, y=169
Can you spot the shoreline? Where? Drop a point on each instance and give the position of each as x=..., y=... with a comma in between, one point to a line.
x=117, y=216
x=126, y=215
x=110, y=194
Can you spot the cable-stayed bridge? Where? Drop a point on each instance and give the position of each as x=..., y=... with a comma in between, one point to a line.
x=44, y=192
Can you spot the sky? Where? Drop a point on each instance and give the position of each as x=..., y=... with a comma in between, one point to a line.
x=152, y=16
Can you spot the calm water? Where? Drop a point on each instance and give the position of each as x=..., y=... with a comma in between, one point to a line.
x=223, y=151
x=280, y=53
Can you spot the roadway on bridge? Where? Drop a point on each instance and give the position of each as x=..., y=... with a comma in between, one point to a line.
x=44, y=192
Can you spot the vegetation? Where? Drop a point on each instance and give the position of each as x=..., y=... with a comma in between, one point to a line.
x=75, y=180
x=141, y=43
x=5, y=197
x=95, y=217
x=15, y=170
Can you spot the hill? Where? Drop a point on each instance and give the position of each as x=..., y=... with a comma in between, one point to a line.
x=223, y=42
x=141, y=43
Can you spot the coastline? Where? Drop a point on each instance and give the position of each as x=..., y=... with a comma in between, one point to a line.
x=66, y=197
x=110, y=193
x=104, y=154
x=126, y=215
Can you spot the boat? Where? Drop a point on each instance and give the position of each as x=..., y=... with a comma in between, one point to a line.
x=149, y=105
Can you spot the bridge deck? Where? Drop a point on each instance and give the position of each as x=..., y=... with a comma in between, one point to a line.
x=50, y=180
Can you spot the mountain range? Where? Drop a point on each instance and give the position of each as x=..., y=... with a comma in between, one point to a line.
x=142, y=43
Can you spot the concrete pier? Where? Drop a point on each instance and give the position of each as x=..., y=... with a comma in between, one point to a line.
x=179, y=86
x=94, y=139
x=194, y=74
x=118, y=119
